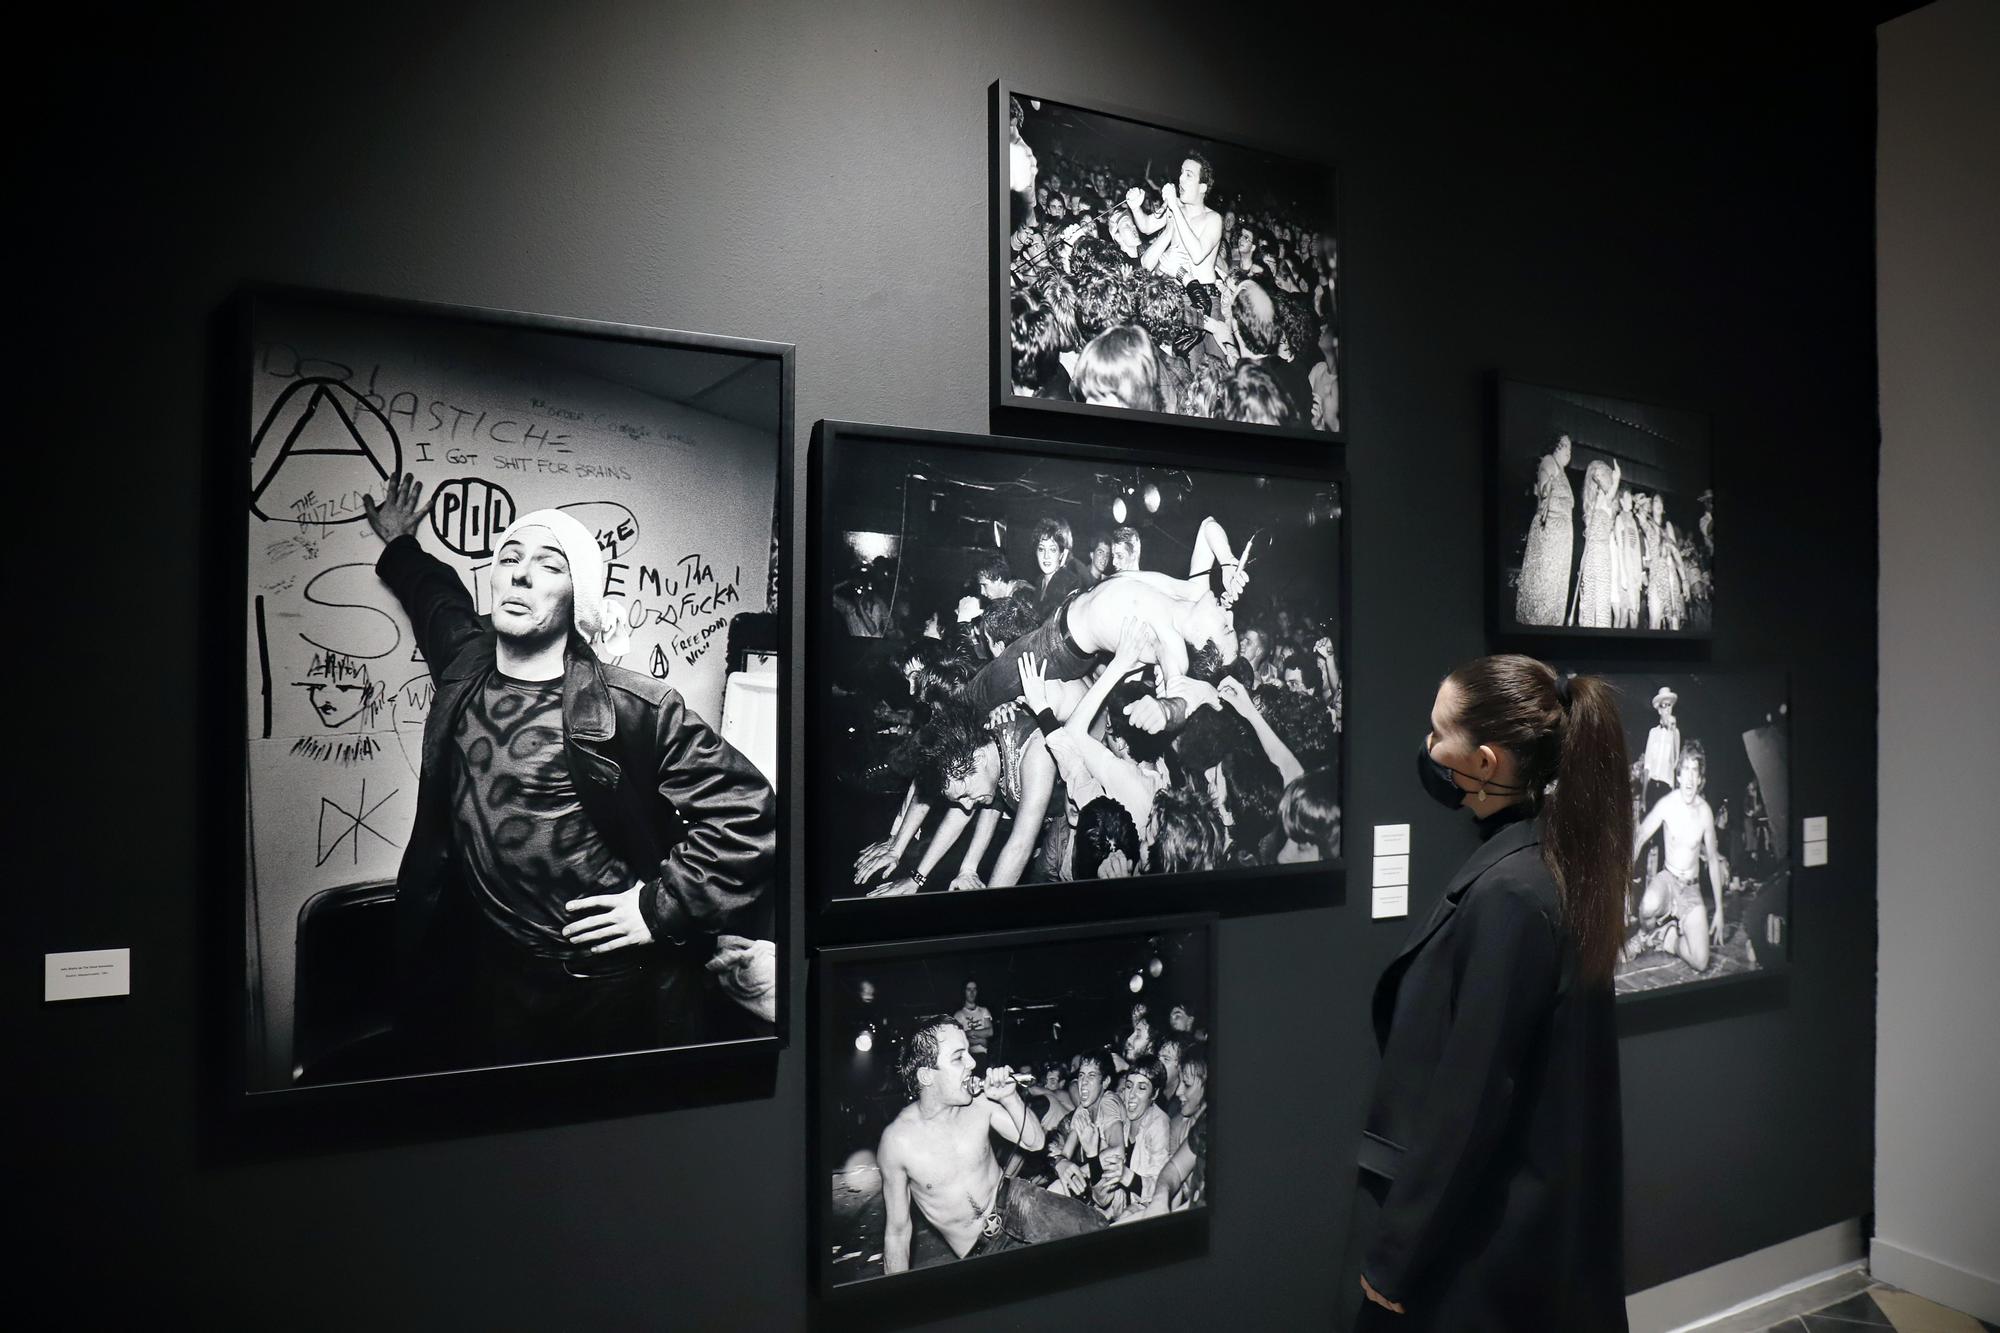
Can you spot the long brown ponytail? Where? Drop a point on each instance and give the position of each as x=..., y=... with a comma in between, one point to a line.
x=1569, y=745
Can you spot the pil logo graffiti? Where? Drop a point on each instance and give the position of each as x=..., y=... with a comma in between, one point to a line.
x=468, y=514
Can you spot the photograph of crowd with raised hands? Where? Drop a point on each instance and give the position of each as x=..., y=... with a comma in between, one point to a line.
x=1039, y=667
x=1036, y=1088
x=1152, y=270
x=1605, y=516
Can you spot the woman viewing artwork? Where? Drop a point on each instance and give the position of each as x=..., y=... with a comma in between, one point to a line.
x=1545, y=564
x=1489, y=1175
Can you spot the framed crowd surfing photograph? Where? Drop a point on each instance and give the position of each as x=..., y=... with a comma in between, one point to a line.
x=1710, y=896
x=513, y=672
x=1058, y=674
x=1143, y=269
x=1603, y=517
x=995, y=1100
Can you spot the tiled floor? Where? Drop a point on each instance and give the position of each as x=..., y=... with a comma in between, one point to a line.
x=1835, y=1307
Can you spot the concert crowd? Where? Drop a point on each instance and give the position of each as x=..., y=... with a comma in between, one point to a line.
x=1194, y=295
x=1114, y=711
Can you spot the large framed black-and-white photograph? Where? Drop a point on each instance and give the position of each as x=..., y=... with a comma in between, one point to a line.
x=996, y=1100
x=513, y=657
x=1603, y=517
x=1145, y=269
x=1062, y=675
x=1710, y=895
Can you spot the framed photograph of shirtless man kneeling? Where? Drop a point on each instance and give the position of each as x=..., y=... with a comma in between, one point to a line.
x=1710, y=898
x=1051, y=676
x=981, y=1096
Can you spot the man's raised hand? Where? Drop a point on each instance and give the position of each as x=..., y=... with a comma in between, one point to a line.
x=1136, y=638
x=1233, y=694
x=400, y=511
x=1147, y=715
x=1033, y=688
x=1000, y=1085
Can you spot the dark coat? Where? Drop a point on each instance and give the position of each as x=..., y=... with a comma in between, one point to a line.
x=1062, y=583
x=678, y=803
x=1492, y=1167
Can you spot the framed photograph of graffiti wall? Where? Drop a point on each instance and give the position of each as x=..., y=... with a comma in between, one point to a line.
x=1147, y=270
x=513, y=664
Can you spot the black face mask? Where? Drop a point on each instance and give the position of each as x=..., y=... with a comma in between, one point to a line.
x=1437, y=780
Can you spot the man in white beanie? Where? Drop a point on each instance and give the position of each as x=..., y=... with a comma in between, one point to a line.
x=583, y=842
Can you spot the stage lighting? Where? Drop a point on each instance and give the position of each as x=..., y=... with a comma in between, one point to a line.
x=1138, y=983
x=865, y=1042
x=1154, y=968
x=1118, y=510
x=1151, y=495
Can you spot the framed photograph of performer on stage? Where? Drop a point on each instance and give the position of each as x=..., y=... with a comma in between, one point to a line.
x=1602, y=517
x=1710, y=897
x=1147, y=270
x=511, y=665
x=1054, y=677
x=986, y=1103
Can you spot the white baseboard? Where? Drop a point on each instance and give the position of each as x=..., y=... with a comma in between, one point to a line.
x=1688, y=1302
x=1935, y=1280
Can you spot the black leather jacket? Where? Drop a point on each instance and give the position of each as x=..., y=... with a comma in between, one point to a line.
x=668, y=794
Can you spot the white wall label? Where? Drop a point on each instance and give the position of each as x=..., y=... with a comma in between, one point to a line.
x=1815, y=828
x=1392, y=839
x=1391, y=900
x=86, y=974
x=1391, y=870
x=1816, y=853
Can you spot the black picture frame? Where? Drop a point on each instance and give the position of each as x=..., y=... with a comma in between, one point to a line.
x=1014, y=410
x=1717, y=704
x=737, y=390
x=975, y=1280
x=1668, y=449
x=839, y=447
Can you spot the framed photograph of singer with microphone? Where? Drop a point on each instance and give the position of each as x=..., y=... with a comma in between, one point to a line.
x=987, y=1102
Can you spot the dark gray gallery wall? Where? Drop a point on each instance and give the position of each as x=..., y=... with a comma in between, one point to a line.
x=1679, y=211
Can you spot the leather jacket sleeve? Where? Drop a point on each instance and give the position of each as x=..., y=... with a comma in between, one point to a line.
x=434, y=598
x=724, y=861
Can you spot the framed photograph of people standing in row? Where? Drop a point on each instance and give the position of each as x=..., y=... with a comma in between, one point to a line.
x=1146, y=270
x=1603, y=517
x=1048, y=675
